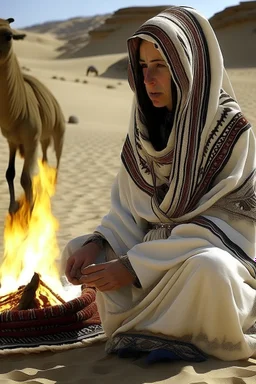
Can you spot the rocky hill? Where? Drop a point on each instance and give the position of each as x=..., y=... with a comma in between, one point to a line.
x=73, y=32
x=235, y=28
x=118, y=27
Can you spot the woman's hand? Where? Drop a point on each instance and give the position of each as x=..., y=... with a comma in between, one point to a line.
x=80, y=259
x=108, y=276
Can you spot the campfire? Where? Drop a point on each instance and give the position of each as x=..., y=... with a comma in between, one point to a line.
x=28, y=274
x=36, y=294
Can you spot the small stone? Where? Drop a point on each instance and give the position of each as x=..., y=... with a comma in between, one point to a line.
x=73, y=119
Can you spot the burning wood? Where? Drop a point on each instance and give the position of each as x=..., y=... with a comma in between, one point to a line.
x=28, y=297
x=36, y=294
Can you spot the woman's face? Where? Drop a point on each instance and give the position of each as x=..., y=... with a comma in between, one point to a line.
x=157, y=78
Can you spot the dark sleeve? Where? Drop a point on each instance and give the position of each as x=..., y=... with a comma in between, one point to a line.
x=126, y=262
x=98, y=239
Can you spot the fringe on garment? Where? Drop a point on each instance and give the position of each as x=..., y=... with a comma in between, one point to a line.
x=159, y=231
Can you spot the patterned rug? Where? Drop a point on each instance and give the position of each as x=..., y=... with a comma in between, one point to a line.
x=67, y=323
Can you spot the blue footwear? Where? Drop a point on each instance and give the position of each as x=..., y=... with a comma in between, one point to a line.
x=161, y=355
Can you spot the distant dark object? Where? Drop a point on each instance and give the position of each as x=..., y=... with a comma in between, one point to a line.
x=73, y=119
x=25, y=68
x=77, y=81
x=19, y=36
x=85, y=81
x=62, y=79
x=92, y=69
x=110, y=86
x=54, y=77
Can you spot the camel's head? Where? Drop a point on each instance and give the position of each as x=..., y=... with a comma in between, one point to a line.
x=6, y=36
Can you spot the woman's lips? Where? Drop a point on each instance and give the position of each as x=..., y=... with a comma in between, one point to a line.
x=154, y=95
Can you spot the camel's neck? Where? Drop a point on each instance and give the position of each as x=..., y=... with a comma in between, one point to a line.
x=12, y=91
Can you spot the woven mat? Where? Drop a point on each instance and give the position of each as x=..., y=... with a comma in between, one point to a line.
x=66, y=325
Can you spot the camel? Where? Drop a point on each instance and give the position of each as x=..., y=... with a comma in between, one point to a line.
x=92, y=69
x=29, y=116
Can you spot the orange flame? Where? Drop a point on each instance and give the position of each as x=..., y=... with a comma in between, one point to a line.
x=30, y=243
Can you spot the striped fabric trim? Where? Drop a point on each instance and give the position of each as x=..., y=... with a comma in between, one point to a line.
x=198, y=109
x=225, y=98
x=130, y=163
x=234, y=249
x=219, y=156
x=165, y=159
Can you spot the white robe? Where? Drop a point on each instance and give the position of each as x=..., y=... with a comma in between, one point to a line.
x=194, y=286
x=197, y=280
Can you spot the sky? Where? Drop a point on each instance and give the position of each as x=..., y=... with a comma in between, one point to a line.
x=30, y=12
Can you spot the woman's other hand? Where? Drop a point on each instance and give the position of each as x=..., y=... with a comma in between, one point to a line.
x=80, y=259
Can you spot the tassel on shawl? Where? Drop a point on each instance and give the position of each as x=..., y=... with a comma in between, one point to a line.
x=159, y=231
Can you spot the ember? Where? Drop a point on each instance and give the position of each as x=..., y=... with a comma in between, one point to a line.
x=31, y=250
x=36, y=294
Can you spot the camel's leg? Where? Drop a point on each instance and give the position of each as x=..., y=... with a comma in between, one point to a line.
x=45, y=144
x=30, y=157
x=10, y=175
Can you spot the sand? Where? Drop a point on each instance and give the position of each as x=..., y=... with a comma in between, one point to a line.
x=90, y=161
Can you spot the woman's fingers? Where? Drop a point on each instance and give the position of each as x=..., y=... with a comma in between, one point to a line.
x=92, y=268
x=80, y=259
x=75, y=271
x=104, y=276
x=102, y=286
x=70, y=269
x=92, y=278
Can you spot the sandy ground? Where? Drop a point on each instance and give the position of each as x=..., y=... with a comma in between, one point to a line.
x=90, y=161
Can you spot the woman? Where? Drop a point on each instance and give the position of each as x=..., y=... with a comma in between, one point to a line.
x=173, y=261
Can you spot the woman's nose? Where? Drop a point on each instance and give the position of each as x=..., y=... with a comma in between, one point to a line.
x=149, y=77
